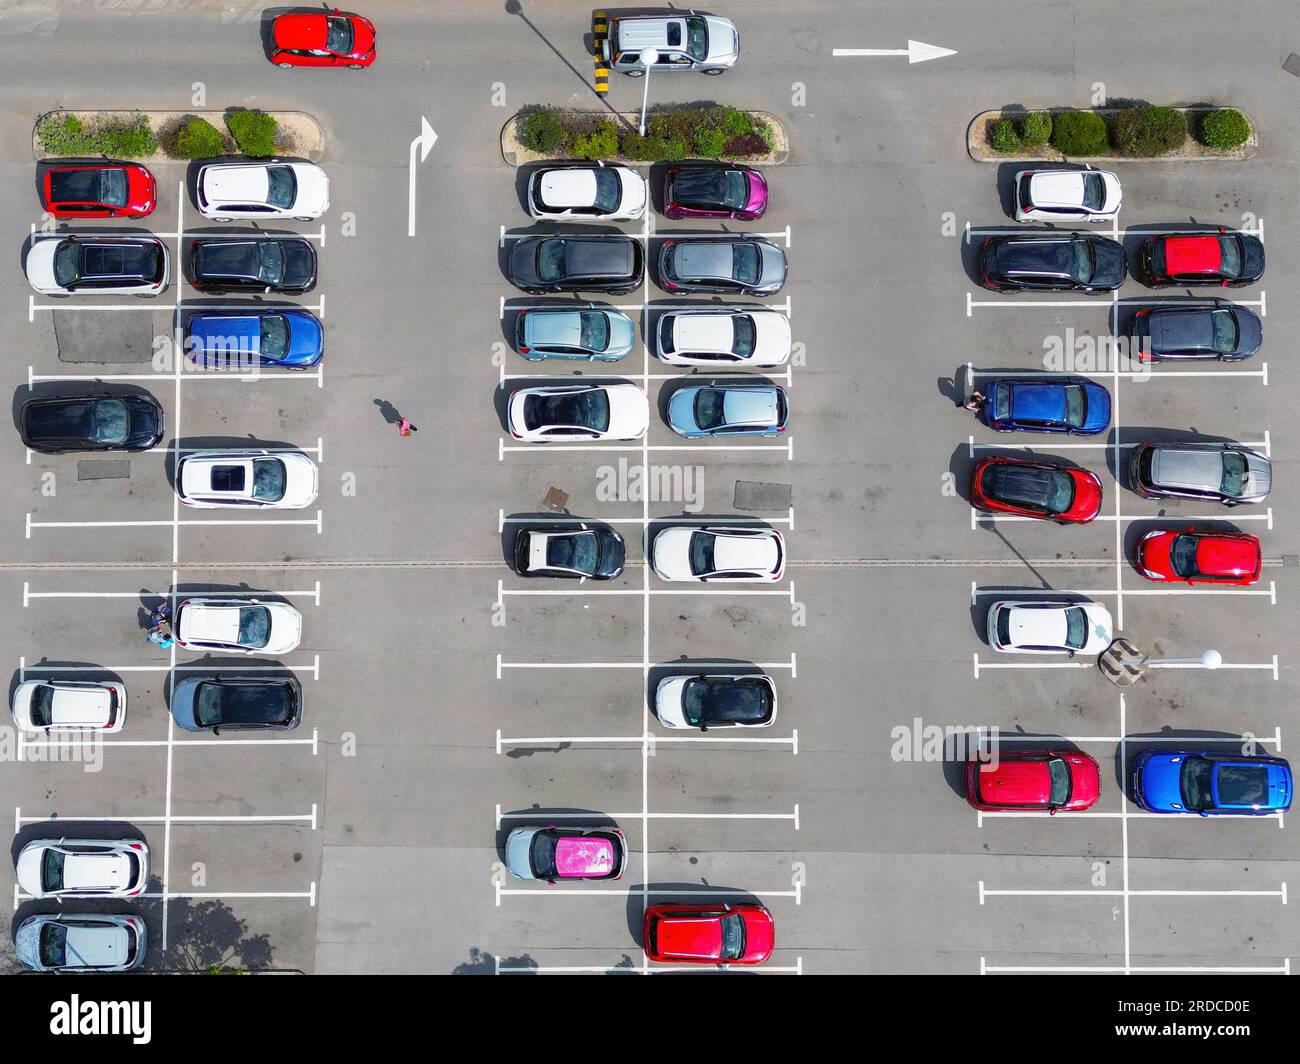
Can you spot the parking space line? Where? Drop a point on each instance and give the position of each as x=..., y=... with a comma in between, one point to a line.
x=1084, y=301
x=25, y=670
x=503, y=520
x=702, y=447
x=983, y=516
x=622, y=969
x=791, y=665
x=1130, y=814
x=1270, y=593
x=1105, y=969
x=1162, y=738
x=60, y=744
x=985, y=892
x=1117, y=233
x=984, y=666
x=791, y=741
x=28, y=594
x=659, y=892
x=231, y=818
x=639, y=815
x=316, y=521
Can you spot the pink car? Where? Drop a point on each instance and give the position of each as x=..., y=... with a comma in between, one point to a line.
x=554, y=853
x=719, y=190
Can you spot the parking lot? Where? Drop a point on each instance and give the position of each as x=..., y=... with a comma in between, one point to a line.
x=447, y=700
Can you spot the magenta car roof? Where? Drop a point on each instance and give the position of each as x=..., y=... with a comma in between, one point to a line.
x=584, y=857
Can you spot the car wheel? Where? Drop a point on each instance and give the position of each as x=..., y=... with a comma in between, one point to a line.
x=713, y=73
x=303, y=218
x=356, y=66
x=285, y=66
x=634, y=73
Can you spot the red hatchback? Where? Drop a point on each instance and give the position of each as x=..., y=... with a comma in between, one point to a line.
x=1035, y=489
x=1035, y=780
x=323, y=39
x=1193, y=557
x=99, y=190
x=709, y=933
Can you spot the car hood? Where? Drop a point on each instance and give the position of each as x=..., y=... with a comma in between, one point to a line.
x=27, y=869
x=772, y=333
x=1252, y=261
x=774, y=264
x=519, y=843
x=1159, y=781
x=622, y=333
x=1112, y=264
x=313, y=189
x=305, y=338
x=523, y=262
x=27, y=941
x=760, y=936
x=672, y=553
x=40, y=263
x=1250, y=332
x=629, y=411
x=1259, y=476
x=299, y=262
x=613, y=552
x=668, y=702
x=183, y=702
x=724, y=41
x=757, y=192
x=301, y=480
x=1097, y=416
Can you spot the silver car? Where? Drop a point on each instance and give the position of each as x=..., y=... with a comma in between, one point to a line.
x=1215, y=472
x=83, y=868
x=83, y=943
x=594, y=334
x=686, y=41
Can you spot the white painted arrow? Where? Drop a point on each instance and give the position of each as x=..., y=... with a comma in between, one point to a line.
x=425, y=142
x=916, y=51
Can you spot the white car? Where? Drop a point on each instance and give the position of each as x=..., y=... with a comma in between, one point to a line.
x=718, y=555
x=579, y=412
x=226, y=192
x=1019, y=627
x=69, y=705
x=83, y=868
x=81, y=943
x=97, y=265
x=246, y=626
x=279, y=480
x=609, y=193
x=726, y=700
x=1067, y=196
x=732, y=336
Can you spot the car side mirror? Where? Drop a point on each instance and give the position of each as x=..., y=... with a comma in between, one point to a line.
x=216, y=730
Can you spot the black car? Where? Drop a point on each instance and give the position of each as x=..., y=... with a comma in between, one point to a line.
x=210, y=703
x=574, y=552
x=1213, y=330
x=1052, y=262
x=91, y=423
x=749, y=267
x=613, y=264
x=729, y=700
x=256, y=264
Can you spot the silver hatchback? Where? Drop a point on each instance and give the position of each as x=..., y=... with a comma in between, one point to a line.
x=687, y=41
x=595, y=334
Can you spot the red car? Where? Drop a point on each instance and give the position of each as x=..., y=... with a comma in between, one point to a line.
x=1226, y=258
x=323, y=39
x=99, y=190
x=1035, y=489
x=1193, y=557
x=1034, y=779
x=709, y=933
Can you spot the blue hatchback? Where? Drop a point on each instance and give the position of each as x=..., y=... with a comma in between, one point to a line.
x=1182, y=781
x=267, y=336
x=1046, y=404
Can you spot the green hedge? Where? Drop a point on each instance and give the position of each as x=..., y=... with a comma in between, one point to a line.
x=1224, y=129
x=1080, y=133
x=672, y=133
x=119, y=138
x=253, y=132
x=195, y=138
x=1004, y=136
x=1144, y=132
x=1035, y=129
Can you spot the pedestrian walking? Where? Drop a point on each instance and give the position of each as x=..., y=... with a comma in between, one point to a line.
x=404, y=427
x=975, y=404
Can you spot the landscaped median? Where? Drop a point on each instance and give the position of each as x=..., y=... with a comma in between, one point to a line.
x=697, y=131
x=1140, y=133
x=162, y=135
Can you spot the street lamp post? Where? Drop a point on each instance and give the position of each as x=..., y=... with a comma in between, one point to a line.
x=649, y=57
x=1211, y=659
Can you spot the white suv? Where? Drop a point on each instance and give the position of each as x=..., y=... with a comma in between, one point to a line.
x=1067, y=196
x=226, y=192
x=610, y=193
x=705, y=43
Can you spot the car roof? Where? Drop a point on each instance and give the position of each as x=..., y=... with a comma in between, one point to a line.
x=238, y=182
x=211, y=621
x=1185, y=467
x=733, y=552
x=1192, y=254
x=704, y=332
x=1016, y=781
x=705, y=258
x=599, y=256
x=110, y=258
x=97, y=945
x=1039, y=400
x=690, y=936
x=1037, y=256
x=84, y=871
x=1235, y=555
x=1057, y=188
x=78, y=706
x=569, y=187
x=650, y=31
x=1038, y=626
x=562, y=327
x=750, y=405
x=302, y=29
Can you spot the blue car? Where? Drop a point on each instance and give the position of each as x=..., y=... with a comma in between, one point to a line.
x=1182, y=781
x=1044, y=404
x=722, y=409
x=267, y=336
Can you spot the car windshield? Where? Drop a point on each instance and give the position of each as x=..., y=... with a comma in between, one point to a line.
x=52, y=869
x=697, y=38
x=543, y=855
x=709, y=189
x=579, y=551
x=745, y=263
x=270, y=262
x=112, y=187
x=1194, y=782
x=207, y=704
x=587, y=409
x=67, y=263
x=109, y=422
x=254, y=626
x=268, y=479
x=274, y=341
x=701, y=553
x=743, y=335
x=1225, y=330
x=550, y=260
x=1182, y=556
x=1234, y=473
x=1076, y=628
x=594, y=331
x=54, y=945
x=723, y=700
x=609, y=190
x=733, y=936
x=1059, y=773
x=1084, y=261
x=1229, y=256
x=282, y=186
x=42, y=705
x=1076, y=405
x=708, y=408
x=339, y=36
x=1094, y=191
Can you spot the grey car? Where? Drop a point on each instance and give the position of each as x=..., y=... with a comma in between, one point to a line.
x=721, y=408
x=83, y=943
x=750, y=267
x=595, y=333
x=1217, y=472
x=237, y=703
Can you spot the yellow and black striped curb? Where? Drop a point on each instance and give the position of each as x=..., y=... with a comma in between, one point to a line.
x=599, y=31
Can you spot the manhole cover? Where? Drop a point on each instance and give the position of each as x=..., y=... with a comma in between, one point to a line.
x=556, y=501
x=1122, y=663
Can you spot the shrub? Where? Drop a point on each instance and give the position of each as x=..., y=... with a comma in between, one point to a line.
x=1035, y=129
x=1147, y=131
x=749, y=144
x=1079, y=133
x=634, y=146
x=129, y=138
x=63, y=134
x=710, y=143
x=1224, y=129
x=675, y=148
x=542, y=131
x=736, y=122
x=254, y=132
x=600, y=143
x=1003, y=135
x=195, y=138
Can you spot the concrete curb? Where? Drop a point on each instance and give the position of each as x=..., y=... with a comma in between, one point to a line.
x=302, y=133
x=979, y=149
x=515, y=154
